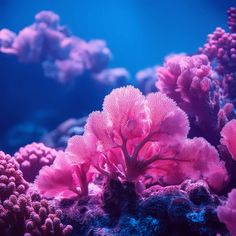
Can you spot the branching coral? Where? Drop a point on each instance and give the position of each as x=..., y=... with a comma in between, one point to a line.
x=135, y=136
x=22, y=214
x=227, y=212
x=33, y=157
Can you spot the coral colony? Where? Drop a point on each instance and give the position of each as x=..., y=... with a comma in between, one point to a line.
x=163, y=163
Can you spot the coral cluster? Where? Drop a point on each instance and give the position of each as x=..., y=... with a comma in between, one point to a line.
x=63, y=56
x=33, y=157
x=22, y=213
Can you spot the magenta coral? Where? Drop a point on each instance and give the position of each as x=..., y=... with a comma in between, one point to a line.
x=227, y=212
x=220, y=48
x=232, y=19
x=33, y=157
x=136, y=136
x=22, y=214
x=62, y=55
x=65, y=179
x=192, y=83
x=228, y=134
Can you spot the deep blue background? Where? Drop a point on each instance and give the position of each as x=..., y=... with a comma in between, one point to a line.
x=140, y=33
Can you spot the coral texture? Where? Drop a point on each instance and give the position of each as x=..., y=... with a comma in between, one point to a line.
x=192, y=83
x=65, y=179
x=228, y=134
x=137, y=137
x=227, y=212
x=23, y=214
x=32, y=158
x=63, y=56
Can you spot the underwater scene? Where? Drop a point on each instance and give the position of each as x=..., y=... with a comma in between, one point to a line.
x=118, y=118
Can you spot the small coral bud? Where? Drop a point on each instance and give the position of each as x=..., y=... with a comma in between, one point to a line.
x=21, y=188
x=29, y=226
x=48, y=224
x=11, y=186
x=67, y=230
x=13, y=199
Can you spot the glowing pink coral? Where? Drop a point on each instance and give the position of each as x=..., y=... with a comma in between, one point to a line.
x=65, y=178
x=228, y=134
x=134, y=136
x=227, y=212
x=33, y=157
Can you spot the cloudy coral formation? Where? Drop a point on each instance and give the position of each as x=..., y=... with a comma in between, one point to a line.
x=63, y=56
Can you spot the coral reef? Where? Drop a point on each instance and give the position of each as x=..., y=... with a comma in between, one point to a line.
x=63, y=56
x=32, y=158
x=22, y=213
x=186, y=209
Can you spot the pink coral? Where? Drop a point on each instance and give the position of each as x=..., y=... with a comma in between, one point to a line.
x=228, y=134
x=192, y=83
x=227, y=212
x=134, y=136
x=23, y=214
x=65, y=178
x=196, y=159
x=33, y=157
x=232, y=19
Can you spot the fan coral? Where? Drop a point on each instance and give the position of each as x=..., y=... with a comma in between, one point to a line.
x=63, y=56
x=134, y=136
x=191, y=82
x=227, y=212
x=21, y=214
x=33, y=157
x=228, y=134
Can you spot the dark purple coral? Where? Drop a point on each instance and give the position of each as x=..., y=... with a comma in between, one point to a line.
x=22, y=213
x=192, y=83
x=33, y=157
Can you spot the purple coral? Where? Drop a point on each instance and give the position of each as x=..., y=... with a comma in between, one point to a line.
x=232, y=19
x=63, y=56
x=22, y=214
x=192, y=83
x=33, y=157
x=227, y=212
x=145, y=136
